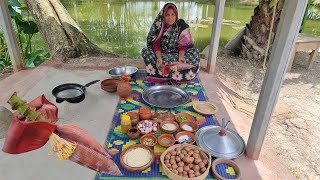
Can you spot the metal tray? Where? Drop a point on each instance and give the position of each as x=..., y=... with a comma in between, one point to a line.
x=165, y=96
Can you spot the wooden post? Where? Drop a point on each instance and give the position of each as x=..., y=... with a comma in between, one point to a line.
x=10, y=37
x=288, y=29
x=215, y=35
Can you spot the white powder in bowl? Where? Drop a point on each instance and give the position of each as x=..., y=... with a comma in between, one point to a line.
x=187, y=127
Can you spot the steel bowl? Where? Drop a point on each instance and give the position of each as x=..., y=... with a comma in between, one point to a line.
x=124, y=70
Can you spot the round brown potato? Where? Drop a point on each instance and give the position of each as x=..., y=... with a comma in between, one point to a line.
x=187, y=148
x=196, y=156
x=197, y=161
x=174, y=166
x=201, y=165
x=180, y=164
x=202, y=170
x=184, y=151
x=192, y=175
x=167, y=156
x=181, y=156
x=175, y=171
x=186, y=168
x=196, y=168
x=191, y=171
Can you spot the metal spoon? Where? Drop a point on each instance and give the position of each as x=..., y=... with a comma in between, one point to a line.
x=183, y=141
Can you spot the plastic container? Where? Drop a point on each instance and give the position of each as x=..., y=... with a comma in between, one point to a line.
x=125, y=123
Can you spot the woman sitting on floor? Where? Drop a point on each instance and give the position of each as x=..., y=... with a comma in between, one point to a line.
x=169, y=42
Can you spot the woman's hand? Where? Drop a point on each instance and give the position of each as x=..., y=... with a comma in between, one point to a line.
x=159, y=63
x=181, y=57
x=159, y=59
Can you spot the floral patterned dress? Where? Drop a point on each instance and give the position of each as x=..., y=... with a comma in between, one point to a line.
x=171, y=40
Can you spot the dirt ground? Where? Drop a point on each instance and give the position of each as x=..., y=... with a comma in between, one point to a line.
x=5, y=73
x=293, y=132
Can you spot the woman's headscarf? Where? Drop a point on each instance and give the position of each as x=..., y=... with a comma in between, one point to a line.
x=159, y=25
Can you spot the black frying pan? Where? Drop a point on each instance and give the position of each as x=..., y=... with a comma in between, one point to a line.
x=71, y=92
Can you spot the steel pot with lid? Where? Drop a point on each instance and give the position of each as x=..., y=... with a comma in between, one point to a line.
x=220, y=141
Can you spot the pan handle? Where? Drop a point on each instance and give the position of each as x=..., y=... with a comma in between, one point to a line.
x=90, y=83
x=59, y=100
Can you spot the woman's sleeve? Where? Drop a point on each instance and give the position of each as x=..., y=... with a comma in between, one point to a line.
x=185, y=40
x=182, y=48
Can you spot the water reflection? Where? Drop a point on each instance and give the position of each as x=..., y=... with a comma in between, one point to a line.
x=122, y=26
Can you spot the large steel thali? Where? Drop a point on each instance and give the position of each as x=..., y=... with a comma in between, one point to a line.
x=165, y=96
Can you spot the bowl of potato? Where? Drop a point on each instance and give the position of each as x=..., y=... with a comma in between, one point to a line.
x=185, y=162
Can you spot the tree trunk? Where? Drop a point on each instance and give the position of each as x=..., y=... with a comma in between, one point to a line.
x=255, y=40
x=61, y=33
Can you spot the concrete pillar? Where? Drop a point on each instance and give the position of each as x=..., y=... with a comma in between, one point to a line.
x=215, y=35
x=288, y=29
x=10, y=37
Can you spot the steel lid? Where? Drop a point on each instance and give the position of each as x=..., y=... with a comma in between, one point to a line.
x=220, y=142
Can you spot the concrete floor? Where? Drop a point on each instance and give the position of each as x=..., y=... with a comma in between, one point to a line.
x=95, y=114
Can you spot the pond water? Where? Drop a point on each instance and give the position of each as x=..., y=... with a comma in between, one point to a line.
x=121, y=26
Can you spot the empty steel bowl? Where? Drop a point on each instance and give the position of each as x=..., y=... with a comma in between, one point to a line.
x=124, y=70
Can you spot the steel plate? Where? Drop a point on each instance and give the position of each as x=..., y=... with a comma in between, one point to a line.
x=165, y=96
